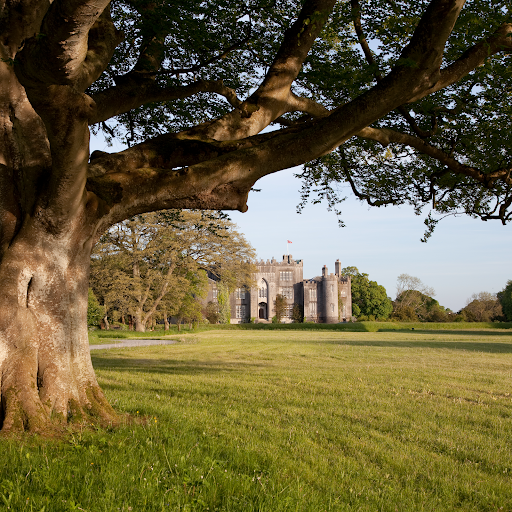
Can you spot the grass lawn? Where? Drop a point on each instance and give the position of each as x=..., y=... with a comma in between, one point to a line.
x=241, y=420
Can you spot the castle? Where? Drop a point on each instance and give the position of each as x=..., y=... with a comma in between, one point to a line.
x=324, y=299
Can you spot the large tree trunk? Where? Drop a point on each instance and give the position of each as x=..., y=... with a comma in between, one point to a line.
x=46, y=375
x=48, y=225
x=140, y=325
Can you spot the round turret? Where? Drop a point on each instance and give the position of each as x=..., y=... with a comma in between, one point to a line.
x=329, y=297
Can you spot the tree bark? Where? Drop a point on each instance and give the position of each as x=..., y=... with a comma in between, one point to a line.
x=48, y=226
x=46, y=373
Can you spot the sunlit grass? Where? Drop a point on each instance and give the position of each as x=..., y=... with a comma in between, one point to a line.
x=281, y=420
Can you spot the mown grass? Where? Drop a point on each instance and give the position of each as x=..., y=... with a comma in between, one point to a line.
x=279, y=420
x=98, y=337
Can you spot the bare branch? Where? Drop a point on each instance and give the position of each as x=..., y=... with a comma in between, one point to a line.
x=222, y=55
x=129, y=95
x=386, y=136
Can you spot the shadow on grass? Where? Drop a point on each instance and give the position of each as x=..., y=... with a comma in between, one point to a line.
x=170, y=365
x=490, y=347
x=481, y=333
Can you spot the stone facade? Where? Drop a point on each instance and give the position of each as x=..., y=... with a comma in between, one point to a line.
x=324, y=299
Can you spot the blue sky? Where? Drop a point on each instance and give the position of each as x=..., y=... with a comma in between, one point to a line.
x=464, y=256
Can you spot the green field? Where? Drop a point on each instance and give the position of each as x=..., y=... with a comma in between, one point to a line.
x=241, y=420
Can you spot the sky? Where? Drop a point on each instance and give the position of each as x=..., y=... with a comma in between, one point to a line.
x=464, y=256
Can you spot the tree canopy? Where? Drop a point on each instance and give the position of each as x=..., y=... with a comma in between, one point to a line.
x=151, y=263
x=369, y=299
x=415, y=301
x=404, y=102
x=505, y=298
x=482, y=307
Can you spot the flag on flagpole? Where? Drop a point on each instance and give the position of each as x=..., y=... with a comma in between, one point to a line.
x=289, y=242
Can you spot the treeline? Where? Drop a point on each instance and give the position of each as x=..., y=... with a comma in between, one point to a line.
x=415, y=302
x=155, y=266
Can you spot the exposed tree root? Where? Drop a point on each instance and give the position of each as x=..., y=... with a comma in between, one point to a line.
x=21, y=412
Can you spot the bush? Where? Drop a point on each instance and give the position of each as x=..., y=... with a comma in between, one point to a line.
x=94, y=310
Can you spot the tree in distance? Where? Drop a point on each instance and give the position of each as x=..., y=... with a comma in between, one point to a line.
x=190, y=306
x=369, y=299
x=191, y=87
x=414, y=301
x=94, y=310
x=280, y=305
x=297, y=313
x=505, y=298
x=151, y=263
x=211, y=312
x=482, y=307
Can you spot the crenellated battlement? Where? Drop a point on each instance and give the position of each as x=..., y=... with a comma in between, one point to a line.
x=286, y=262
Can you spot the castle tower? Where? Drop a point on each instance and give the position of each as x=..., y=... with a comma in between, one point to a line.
x=329, y=293
x=337, y=268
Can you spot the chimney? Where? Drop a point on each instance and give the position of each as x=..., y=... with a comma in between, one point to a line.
x=337, y=268
x=324, y=271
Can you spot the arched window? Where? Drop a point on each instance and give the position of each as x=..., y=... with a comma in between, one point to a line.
x=262, y=289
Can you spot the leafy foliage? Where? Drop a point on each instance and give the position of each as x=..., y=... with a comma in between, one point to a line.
x=280, y=304
x=298, y=313
x=94, y=310
x=505, y=298
x=211, y=312
x=157, y=262
x=369, y=299
x=413, y=305
x=223, y=300
x=467, y=123
x=482, y=307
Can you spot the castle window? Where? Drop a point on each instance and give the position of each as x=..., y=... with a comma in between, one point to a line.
x=240, y=293
x=332, y=288
x=240, y=311
x=215, y=292
x=312, y=294
x=332, y=308
x=285, y=276
x=262, y=290
x=287, y=292
x=312, y=308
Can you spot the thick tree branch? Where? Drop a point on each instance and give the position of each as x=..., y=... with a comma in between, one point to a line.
x=103, y=40
x=62, y=45
x=500, y=41
x=356, y=18
x=306, y=105
x=273, y=98
x=20, y=23
x=129, y=95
